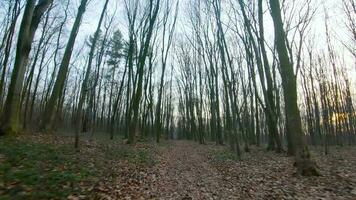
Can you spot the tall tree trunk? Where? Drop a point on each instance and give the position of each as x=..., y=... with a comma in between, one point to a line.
x=8, y=38
x=28, y=83
x=137, y=94
x=304, y=163
x=84, y=88
x=49, y=113
x=10, y=121
x=166, y=44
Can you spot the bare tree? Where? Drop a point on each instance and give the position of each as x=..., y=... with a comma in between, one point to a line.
x=32, y=16
x=49, y=113
x=305, y=164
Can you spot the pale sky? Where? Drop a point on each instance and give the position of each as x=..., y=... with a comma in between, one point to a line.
x=333, y=7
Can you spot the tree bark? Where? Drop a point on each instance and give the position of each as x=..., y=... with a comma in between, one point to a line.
x=84, y=88
x=49, y=113
x=10, y=122
x=303, y=161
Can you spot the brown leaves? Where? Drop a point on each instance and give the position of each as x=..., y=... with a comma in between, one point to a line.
x=186, y=170
x=271, y=176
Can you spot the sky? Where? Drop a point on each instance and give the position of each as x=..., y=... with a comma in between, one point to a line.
x=333, y=8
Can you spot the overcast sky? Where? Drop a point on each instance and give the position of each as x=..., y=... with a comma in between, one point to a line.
x=333, y=8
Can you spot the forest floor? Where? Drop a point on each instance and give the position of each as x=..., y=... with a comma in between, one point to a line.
x=47, y=167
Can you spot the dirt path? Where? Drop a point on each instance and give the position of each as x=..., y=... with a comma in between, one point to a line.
x=185, y=172
x=173, y=170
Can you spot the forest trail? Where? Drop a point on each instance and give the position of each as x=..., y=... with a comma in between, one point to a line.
x=187, y=173
x=110, y=170
x=184, y=170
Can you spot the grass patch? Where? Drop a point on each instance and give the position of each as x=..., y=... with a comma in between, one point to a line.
x=30, y=170
x=137, y=156
x=224, y=155
x=38, y=169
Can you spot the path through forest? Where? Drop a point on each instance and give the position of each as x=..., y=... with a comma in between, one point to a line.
x=187, y=173
x=184, y=170
x=111, y=169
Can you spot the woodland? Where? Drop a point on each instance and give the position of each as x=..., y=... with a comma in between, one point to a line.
x=177, y=99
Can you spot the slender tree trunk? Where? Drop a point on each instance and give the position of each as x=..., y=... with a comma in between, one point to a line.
x=49, y=113
x=137, y=94
x=10, y=122
x=304, y=163
x=84, y=88
x=8, y=44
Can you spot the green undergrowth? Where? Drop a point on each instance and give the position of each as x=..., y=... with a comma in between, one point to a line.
x=31, y=169
x=223, y=155
x=137, y=156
